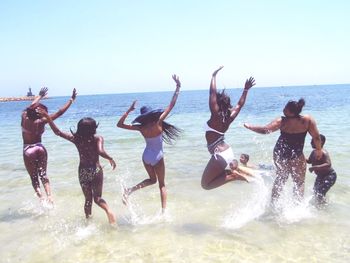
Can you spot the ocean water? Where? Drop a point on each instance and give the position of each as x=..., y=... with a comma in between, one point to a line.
x=232, y=223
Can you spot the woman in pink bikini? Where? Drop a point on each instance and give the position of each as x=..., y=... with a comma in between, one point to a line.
x=150, y=123
x=34, y=152
x=222, y=115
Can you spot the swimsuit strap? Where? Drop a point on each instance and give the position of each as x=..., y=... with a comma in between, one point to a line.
x=208, y=128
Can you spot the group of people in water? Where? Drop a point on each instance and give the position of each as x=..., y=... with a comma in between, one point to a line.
x=222, y=167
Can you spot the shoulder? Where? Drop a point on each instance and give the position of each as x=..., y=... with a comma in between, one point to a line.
x=278, y=121
x=307, y=117
x=98, y=138
x=325, y=152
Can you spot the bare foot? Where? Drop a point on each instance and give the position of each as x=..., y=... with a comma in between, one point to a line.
x=237, y=176
x=50, y=200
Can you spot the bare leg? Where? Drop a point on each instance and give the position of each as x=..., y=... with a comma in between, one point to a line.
x=281, y=179
x=87, y=190
x=215, y=174
x=42, y=168
x=298, y=170
x=151, y=180
x=32, y=158
x=97, y=185
x=160, y=172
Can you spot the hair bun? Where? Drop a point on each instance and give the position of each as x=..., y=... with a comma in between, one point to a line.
x=301, y=103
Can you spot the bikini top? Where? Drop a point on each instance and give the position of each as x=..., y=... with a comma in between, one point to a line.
x=219, y=140
x=155, y=143
x=208, y=128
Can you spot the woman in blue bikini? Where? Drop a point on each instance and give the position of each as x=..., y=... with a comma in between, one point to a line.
x=155, y=130
x=222, y=115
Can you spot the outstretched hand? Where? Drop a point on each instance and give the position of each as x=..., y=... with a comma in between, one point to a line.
x=132, y=106
x=216, y=71
x=74, y=94
x=113, y=164
x=249, y=83
x=176, y=79
x=43, y=91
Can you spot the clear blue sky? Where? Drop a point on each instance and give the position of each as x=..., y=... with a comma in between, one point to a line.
x=129, y=46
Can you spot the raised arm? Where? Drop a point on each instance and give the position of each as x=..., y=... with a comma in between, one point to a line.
x=213, y=104
x=122, y=119
x=42, y=94
x=65, y=107
x=102, y=152
x=313, y=131
x=248, y=84
x=173, y=100
x=269, y=128
x=55, y=129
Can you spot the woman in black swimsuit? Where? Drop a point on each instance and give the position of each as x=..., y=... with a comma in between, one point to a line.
x=288, y=152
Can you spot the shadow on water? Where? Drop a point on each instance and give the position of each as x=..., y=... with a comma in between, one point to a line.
x=196, y=229
x=16, y=215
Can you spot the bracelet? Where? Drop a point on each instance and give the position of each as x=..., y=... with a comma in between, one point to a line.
x=71, y=100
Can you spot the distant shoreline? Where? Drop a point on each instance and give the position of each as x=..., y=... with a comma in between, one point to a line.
x=24, y=98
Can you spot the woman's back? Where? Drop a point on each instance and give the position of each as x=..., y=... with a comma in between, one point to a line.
x=297, y=124
x=88, y=151
x=32, y=130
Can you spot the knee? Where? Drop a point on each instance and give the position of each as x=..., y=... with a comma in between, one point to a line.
x=98, y=200
x=161, y=185
x=204, y=185
x=153, y=180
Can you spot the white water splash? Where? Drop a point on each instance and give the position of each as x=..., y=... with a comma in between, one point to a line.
x=250, y=207
x=136, y=214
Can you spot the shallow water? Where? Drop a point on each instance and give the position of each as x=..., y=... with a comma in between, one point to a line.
x=230, y=224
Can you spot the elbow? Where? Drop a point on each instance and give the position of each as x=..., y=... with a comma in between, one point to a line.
x=119, y=125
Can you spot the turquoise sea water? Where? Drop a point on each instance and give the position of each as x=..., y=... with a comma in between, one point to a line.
x=230, y=224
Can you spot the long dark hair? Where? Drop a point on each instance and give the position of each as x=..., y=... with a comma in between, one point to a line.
x=170, y=133
x=86, y=129
x=295, y=107
x=224, y=103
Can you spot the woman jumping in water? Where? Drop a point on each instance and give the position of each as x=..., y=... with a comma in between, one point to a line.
x=34, y=152
x=90, y=147
x=155, y=130
x=222, y=115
